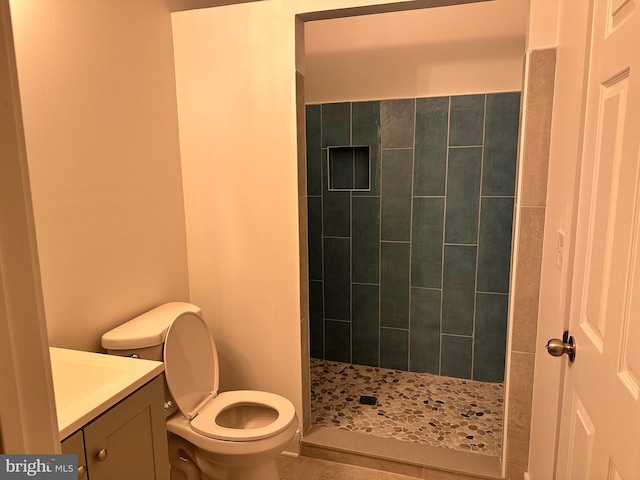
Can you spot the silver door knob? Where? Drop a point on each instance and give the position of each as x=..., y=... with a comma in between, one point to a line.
x=557, y=347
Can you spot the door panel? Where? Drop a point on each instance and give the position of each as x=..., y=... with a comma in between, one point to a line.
x=603, y=207
x=602, y=388
x=581, y=441
x=613, y=473
x=629, y=357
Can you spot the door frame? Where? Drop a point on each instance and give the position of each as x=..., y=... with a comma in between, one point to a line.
x=27, y=406
x=569, y=105
x=537, y=98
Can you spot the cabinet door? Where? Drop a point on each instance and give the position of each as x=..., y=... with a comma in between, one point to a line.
x=129, y=441
x=74, y=445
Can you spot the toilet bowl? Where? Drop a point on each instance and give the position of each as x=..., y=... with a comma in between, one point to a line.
x=234, y=435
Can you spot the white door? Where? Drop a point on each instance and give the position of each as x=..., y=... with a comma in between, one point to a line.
x=600, y=423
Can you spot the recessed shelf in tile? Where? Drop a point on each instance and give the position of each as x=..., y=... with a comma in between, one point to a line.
x=349, y=168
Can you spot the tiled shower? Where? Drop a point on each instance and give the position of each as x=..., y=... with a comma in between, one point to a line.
x=410, y=208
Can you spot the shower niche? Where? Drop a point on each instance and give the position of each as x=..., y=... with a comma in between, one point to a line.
x=349, y=168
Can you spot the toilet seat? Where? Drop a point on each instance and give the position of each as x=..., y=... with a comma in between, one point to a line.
x=205, y=422
x=191, y=370
x=190, y=363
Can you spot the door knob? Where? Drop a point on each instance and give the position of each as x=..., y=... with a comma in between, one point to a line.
x=557, y=347
x=102, y=455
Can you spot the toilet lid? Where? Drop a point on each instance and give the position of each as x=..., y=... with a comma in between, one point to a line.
x=190, y=363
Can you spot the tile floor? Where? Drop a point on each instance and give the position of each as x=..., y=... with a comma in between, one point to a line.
x=314, y=469
x=427, y=409
x=304, y=468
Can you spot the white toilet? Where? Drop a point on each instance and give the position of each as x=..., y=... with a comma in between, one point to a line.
x=233, y=435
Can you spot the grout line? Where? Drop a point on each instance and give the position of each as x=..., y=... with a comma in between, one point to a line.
x=413, y=169
x=396, y=148
x=457, y=335
x=492, y=293
x=394, y=328
x=380, y=238
x=465, y=146
x=428, y=288
x=353, y=182
x=456, y=244
x=444, y=230
x=475, y=285
x=353, y=150
x=324, y=333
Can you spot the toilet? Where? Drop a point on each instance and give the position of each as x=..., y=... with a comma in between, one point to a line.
x=234, y=435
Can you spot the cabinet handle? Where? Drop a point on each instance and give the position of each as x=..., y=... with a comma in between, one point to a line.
x=102, y=455
x=82, y=471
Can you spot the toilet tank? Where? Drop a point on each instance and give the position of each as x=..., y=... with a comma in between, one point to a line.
x=143, y=336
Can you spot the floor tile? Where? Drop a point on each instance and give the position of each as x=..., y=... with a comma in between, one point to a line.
x=428, y=409
x=296, y=468
x=340, y=471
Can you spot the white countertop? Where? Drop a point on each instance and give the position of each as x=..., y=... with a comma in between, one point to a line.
x=86, y=384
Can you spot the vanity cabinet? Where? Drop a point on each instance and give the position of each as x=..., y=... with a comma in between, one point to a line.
x=128, y=441
x=74, y=445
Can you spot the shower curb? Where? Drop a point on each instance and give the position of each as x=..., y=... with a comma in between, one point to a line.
x=397, y=457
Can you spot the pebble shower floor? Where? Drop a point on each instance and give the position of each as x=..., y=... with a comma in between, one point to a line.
x=422, y=408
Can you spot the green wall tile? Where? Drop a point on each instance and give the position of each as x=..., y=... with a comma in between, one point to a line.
x=365, y=249
x=337, y=341
x=394, y=349
x=397, y=118
x=456, y=356
x=426, y=242
x=337, y=287
x=394, y=285
x=466, y=120
x=432, y=124
x=458, y=290
x=494, y=248
x=316, y=319
x=490, y=338
x=396, y=195
x=366, y=340
x=463, y=195
x=314, y=150
x=336, y=124
x=501, y=144
x=425, y=331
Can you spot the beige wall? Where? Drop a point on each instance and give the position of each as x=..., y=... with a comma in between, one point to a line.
x=236, y=95
x=543, y=23
x=461, y=49
x=98, y=97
